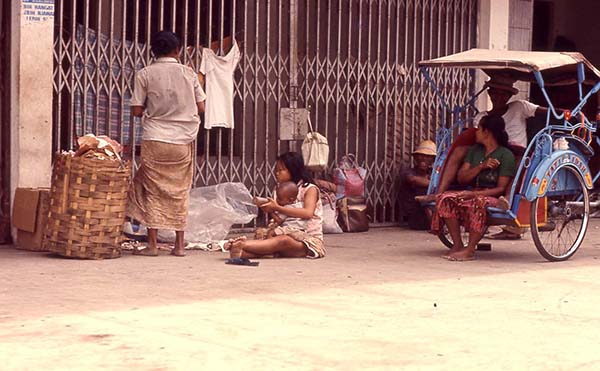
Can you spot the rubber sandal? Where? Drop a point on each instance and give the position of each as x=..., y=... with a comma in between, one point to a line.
x=241, y=261
x=504, y=235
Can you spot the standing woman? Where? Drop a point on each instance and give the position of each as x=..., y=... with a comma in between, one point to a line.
x=305, y=244
x=168, y=97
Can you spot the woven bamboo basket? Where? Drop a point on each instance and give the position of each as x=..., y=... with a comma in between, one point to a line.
x=88, y=198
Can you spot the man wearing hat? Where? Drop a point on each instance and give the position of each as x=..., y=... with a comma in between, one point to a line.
x=415, y=182
x=500, y=89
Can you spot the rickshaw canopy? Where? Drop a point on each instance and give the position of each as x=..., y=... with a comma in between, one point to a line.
x=557, y=68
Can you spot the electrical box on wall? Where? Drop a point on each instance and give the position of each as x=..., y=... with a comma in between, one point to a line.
x=293, y=123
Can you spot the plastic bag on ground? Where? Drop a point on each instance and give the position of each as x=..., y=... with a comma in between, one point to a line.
x=212, y=212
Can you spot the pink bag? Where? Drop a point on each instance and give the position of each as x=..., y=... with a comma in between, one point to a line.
x=349, y=178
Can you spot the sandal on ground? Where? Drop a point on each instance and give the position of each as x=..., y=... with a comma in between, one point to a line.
x=468, y=259
x=241, y=261
x=505, y=235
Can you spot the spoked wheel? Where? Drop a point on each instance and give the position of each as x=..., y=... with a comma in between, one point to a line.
x=568, y=211
x=446, y=239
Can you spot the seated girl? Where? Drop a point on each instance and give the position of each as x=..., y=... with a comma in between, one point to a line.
x=300, y=244
x=487, y=168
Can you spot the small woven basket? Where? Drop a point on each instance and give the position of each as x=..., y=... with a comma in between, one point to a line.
x=88, y=198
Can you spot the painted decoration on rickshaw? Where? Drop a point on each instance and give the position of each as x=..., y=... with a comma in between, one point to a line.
x=559, y=160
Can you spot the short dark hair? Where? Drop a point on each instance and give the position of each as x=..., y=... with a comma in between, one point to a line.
x=294, y=163
x=164, y=43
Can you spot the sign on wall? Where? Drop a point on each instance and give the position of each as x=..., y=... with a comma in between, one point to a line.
x=38, y=10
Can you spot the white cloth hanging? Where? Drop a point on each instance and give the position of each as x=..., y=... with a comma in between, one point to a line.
x=218, y=72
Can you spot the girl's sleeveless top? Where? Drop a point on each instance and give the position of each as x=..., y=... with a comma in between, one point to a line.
x=314, y=226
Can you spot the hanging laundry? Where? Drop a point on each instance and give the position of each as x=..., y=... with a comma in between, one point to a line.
x=218, y=71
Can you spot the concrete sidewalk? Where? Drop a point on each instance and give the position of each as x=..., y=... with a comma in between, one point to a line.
x=379, y=300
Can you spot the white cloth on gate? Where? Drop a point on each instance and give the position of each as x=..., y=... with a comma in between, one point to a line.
x=218, y=71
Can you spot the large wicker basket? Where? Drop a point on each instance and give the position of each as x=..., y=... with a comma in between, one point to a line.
x=87, y=207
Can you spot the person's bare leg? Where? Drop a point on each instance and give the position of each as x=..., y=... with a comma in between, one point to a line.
x=151, y=249
x=454, y=230
x=469, y=252
x=284, y=246
x=178, y=250
x=451, y=167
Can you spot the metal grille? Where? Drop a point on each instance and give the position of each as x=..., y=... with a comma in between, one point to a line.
x=352, y=61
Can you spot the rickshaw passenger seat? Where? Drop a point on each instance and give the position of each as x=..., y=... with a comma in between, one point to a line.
x=497, y=216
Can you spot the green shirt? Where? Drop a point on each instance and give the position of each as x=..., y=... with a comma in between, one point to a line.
x=488, y=178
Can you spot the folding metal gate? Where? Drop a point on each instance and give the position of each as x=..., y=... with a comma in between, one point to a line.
x=352, y=61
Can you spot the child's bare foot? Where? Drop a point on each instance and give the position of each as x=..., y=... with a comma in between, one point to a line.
x=235, y=247
x=260, y=233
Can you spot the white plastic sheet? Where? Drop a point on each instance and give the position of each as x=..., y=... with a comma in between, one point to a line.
x=212, y=212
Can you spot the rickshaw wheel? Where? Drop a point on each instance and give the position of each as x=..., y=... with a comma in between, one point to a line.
x=567, y=221
x=446, y=239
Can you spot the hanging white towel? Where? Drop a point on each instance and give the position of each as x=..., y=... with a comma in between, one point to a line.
x=218, y=72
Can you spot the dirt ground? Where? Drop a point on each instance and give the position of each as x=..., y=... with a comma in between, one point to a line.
x=379, y=300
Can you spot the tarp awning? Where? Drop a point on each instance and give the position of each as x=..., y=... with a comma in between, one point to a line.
x=556, y=67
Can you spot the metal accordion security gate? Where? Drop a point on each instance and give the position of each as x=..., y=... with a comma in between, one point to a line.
x=354, y=62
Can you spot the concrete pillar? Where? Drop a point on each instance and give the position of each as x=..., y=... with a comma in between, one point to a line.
x=31, y=64
x=31, y=134
x=492, y=24
x=492, y=33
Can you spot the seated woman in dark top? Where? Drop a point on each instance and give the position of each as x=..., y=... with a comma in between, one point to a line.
x=488, y=168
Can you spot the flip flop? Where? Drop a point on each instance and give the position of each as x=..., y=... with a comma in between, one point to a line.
x=241, y=261
x=453, y=259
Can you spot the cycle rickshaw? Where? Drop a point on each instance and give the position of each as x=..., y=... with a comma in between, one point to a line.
x=550, y=192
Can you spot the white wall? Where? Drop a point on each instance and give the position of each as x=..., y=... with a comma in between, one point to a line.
x=492, y=33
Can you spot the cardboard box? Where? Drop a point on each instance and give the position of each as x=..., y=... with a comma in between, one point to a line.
x=30, y=215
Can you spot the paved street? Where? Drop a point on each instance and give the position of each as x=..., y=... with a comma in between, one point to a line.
x=379, y=300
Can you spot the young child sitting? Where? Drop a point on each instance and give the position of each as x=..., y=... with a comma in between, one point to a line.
x=286, y=193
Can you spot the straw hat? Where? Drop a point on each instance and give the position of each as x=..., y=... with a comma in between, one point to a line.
x=501, y=82
x=426, y=147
